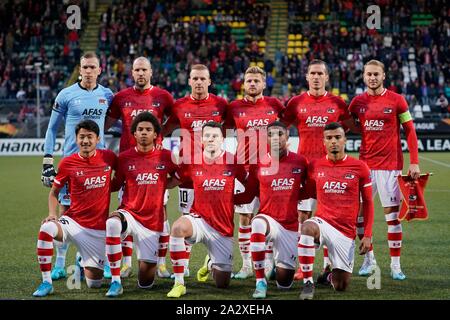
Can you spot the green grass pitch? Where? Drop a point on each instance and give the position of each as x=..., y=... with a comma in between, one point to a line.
x=425, y=253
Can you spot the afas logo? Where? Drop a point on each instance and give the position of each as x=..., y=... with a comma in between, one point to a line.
x=92, y=112
x=374, y=125
x=334, y=187
x=257, y=123
x=135, y=112
x=147, y=178
x=95, y=182
x=214, y=183
x=316, y=121
x=282, y=182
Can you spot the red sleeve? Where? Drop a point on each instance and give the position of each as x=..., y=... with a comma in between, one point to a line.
x=411, y=139
x=344, y=112
x=365, y=187
x=402, y=105
x=168, y=103
x=289, y=115
x=251, y=187
x=114, y=108
x=183, y=174
x=62, y=176
x=229, y=120
x=352, y=106
x=119, y=177
x=278, y=106
x=172, y=167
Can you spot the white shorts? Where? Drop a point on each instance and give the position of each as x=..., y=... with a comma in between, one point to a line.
x=307, y=204
x=285, y=250
x=146, y=241
x=220, y=248
x=248, y=208
x=385, y=183
x=341, y=249
x=185, y=200
x=166, y=196
x=89, y=242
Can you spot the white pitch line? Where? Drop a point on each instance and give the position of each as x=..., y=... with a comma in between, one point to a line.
x=435, y=161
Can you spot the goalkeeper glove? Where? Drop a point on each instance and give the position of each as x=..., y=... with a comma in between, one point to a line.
x=48, y=171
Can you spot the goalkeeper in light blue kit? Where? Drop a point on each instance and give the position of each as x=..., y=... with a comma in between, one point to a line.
x=83, y=100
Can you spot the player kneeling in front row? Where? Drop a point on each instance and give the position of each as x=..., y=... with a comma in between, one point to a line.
x=337, y=181
x=143, y=170
x=88, y=174
x=278, y=177
x=212, y=213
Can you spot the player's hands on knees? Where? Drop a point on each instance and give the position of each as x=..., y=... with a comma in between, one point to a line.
x=50, y=218
x=48, y=171
x=364, y=246
x=414, y=171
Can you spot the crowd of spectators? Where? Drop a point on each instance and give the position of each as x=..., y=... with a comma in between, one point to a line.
x=36, y=31
x=345, y=43
x=159, y=31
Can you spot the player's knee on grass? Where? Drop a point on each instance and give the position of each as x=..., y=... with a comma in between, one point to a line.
x=221, y=274
x=284, y=277
x=146, y=275
x=341, y=280
x=94, y=277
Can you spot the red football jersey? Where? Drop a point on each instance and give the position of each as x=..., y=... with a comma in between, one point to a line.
x=128, y=103
x=248, y=117
x=380, y=128
x=338, y=186
x=89, y=182
x=214, y=190
x=144, y=176
x=311, y=114
x=278, y=184
x=192, y=114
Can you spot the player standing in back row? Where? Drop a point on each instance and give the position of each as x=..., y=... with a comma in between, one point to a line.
x=250, y=117
x=126, y=105
x=380, y=112
x=311, y=112
x=84, y=100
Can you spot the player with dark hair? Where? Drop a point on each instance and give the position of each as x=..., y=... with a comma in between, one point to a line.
x=126, y=105
x=310, y=112
x=211, y=218
x=338, y=182
x=83, y=100
x=189, y=114
x=88, y=175
x=143, y=170
x=276, y=179
x=380, y=113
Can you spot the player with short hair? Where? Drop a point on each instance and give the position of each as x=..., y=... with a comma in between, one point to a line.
x=143, y=170
x=250, y=117
x=277, y=179
x=126, y=105
x=83, y=100
x=211, y=218
x=380, y=113
x=337, y=181
x=310, y=112
x=88, y=175
x=189, y=114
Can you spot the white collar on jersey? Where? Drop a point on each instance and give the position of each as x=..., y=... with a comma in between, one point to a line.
x=135, y=148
